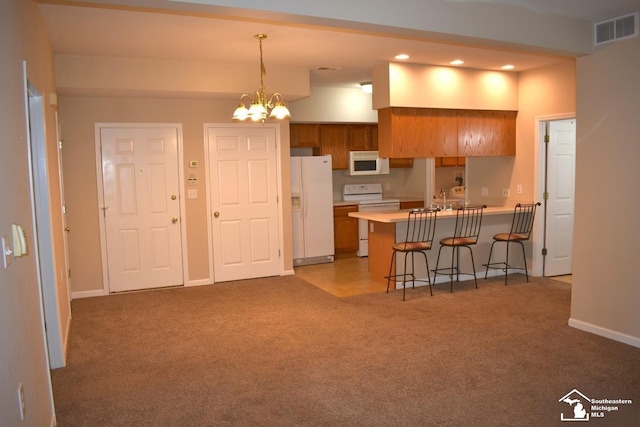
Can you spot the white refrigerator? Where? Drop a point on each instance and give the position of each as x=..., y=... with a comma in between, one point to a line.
x=312, y=209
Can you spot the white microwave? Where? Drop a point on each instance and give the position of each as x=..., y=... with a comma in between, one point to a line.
x=367, y=163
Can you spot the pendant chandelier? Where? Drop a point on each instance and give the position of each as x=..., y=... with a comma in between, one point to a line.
x=262, y=106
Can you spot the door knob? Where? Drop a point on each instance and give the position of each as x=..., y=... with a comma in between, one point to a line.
x=174, y=220
x=67, y=229
x=216, y=214
x=173, y=197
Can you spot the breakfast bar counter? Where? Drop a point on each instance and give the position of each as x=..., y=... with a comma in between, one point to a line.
x=387, y=228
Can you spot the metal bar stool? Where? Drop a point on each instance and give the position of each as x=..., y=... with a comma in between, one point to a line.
x=521, y=226
x=421, y=226
x=467, y=230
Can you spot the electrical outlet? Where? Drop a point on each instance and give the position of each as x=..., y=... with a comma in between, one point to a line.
x=519, y=188
x=21, y=401
x=505, y=192
x=485, y=191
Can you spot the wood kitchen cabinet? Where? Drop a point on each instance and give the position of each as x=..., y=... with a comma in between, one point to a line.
x=338, y=139
x=345, y=230
x=304, y=135
x=365, y=137
x=486, y=133
x=401, y=163
x=398, y=133
x=412, y=204
x=450, y=161
x=362, y=137
x=333, y=141
x=443, y=133
x=417, y=132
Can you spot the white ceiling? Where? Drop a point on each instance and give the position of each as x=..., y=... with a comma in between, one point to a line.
x=136, y=33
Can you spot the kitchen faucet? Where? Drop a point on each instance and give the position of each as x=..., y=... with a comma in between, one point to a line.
x=443, y=195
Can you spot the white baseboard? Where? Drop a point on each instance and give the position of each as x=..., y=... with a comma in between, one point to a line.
x=604, y=332
x=87, y=294
x=200, y=282
x=288, y=273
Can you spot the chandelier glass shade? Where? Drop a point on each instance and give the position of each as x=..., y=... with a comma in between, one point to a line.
x=261, y=106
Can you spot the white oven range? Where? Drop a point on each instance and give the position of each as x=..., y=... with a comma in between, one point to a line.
x=369, y=198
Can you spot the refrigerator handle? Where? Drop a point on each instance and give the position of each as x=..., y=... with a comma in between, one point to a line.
x=304, y=199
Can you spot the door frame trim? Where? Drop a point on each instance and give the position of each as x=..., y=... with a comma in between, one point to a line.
x=276, y=128
x=537, y=260
x=183, y=218
x=55, y=333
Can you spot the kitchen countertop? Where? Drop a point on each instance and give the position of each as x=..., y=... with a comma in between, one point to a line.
x=402, y=199
x=401, y=215
x=388, y=227
x=344, y=203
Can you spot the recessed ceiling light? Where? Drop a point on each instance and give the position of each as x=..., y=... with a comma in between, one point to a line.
x=402, y=56
x=367, y=87
x=508, y=67
x=324, y=68
x=457, y=62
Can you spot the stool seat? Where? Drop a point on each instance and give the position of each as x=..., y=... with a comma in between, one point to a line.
x=412, y=246
x=508, y=237
x=458, y=241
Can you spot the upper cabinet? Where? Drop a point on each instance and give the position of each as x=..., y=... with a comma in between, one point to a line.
x=486, y=133
x=338, y=139
x=333, y=141
x=362, y=137
x=432, y=132
x=305, y=135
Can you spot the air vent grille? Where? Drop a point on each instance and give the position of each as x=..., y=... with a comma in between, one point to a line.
x=616, y=29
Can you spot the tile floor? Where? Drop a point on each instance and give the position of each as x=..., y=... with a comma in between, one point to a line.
x=350, y=276
x=343, y=277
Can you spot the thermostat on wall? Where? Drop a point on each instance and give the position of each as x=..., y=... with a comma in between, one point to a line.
x=193, y=164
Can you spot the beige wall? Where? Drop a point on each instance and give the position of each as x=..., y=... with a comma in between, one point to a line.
x=40, y=72
x=78, y=75
x=606, y=284
x=24, y=357
x=543, y=93
x=334, y=105
x=415, y=85
x=79, y=114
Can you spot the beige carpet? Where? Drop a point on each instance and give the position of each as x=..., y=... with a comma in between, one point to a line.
x=281, y=352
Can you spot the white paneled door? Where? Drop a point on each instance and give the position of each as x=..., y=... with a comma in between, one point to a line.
x=141, y=190
x=561, y=190
x=243, y=192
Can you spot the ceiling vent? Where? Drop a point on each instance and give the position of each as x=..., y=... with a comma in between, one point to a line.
x=616, y=29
